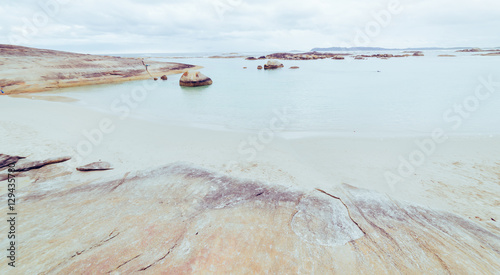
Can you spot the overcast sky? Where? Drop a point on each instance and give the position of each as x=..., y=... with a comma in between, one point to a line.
x=133, y=26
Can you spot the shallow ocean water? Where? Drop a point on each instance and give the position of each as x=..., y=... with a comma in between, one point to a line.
x=376, y=97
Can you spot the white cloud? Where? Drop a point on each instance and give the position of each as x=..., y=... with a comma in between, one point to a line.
x=199, y=25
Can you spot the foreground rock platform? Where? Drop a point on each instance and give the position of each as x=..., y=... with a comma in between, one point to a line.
x=181, y=219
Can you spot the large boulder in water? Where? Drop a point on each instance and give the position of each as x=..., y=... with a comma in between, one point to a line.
x=194, y=79
x=273, y=64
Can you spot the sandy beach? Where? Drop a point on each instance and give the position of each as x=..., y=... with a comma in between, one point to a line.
x=461, y=169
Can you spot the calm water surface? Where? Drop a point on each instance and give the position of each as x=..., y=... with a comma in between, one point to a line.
x=398, y=96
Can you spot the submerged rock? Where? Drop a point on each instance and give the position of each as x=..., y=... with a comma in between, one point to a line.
x=294, y=67
x=95, y=166
x=273, y=64
x=194, y=79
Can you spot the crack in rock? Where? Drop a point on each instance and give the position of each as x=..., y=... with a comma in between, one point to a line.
x=347, y=208
x=324, y=222
x=124, y=263
x=155, y=262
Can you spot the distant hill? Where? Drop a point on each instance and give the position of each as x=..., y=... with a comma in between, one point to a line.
x=335, y=49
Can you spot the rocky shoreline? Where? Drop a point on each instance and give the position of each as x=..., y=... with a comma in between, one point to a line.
x=335, y=56
x=27, y=70
x=315, y=55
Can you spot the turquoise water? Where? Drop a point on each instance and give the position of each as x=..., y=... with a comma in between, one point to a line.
x=398, y=96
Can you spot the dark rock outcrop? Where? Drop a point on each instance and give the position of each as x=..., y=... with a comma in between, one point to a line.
x=6, y=160
x=30, y=165
x=303, y=56
x=472, y=50
x=164, y=77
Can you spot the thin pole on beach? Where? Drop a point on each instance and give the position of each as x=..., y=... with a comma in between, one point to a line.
x=146, y=65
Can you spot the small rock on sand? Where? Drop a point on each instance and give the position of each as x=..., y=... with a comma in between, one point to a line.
x=95, y=166
x=164, y=77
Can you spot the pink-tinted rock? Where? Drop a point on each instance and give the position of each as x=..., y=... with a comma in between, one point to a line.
x=182, y=219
